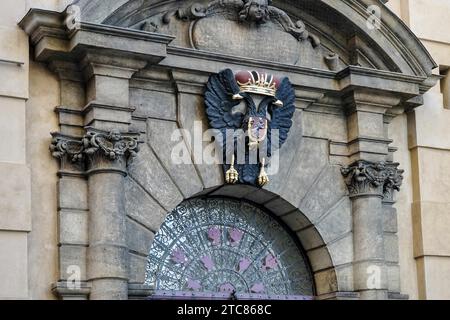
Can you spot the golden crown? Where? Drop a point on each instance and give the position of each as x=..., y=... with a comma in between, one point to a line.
x=259, y=83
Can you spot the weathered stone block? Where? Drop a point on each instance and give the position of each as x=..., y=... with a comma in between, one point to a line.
x=325, y=193
x=391, y=251
x=344, y=276
x=370, y=275
x=341, y=251
x=108, y=90
x=72, y=260
x=139, y=239
x=72, y=193
x=390, y=219
x=153, y=104
x=107, y=261
x=320, y=259
x=280, y=206
x=150, y=174
x=183, y=174
x=310, y=238
x=287, y=155
x=325, y=126
x=296, y=221
x=260, y=196
x=393, y=275
x=141, y=207
x=337, y=222
x=191, y=110
x=73, y=227
x=326, y=281
x=234, y=191
x=137, y=268
x=310, y=160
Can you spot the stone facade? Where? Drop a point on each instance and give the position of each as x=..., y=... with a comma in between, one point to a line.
x=111, y=85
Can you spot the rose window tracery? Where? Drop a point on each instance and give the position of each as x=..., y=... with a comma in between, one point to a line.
x=226, y=246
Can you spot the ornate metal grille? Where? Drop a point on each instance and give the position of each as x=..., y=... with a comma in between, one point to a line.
x=226, y=246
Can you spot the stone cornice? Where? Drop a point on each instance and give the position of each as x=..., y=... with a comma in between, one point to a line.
x=42, y=25
x=88, y=38
x=393, y=36
x=350, y=78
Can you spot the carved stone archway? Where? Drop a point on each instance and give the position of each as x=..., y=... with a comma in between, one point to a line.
x=131, y=72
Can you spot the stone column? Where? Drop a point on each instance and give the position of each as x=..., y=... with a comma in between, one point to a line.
x=365, y=181
x=108, y=146
x=107, y=155
x=367, y=177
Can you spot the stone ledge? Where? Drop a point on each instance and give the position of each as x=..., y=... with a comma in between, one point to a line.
x=339, y=296
x=62, y=291
x=137, y=291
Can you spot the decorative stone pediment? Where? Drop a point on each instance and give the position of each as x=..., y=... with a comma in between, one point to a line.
x=239, y=28
x=343, y=27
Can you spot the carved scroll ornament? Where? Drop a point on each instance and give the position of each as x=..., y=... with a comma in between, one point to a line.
x=111, y=146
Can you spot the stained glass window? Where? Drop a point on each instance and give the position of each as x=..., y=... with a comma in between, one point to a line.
x=226, y=246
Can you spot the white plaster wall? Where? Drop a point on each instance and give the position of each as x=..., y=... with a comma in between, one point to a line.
x=424, y=219
x=27, y=190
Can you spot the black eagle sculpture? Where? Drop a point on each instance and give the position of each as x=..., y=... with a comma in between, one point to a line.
x=252, y=107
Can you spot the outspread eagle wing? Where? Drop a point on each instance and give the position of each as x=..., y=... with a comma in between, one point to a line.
x=219, y=101
x=281, y=116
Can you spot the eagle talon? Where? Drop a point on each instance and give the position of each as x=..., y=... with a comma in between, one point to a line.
x=232, y=176
x=263, y=178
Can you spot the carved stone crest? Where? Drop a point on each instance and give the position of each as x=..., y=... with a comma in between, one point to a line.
x=252, y=11
x=239, y=27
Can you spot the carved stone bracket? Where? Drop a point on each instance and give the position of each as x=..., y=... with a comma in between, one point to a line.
x=99, y=150
x=369, y=178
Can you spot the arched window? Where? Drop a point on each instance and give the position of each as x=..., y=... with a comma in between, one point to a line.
x=226, y=248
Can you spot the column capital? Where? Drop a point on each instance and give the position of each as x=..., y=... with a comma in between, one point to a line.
x=98, y=151
x=393, y=182
x=109, y=151
x=364, y=178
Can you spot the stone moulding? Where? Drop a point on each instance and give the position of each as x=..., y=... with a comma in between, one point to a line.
x=373, y=178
